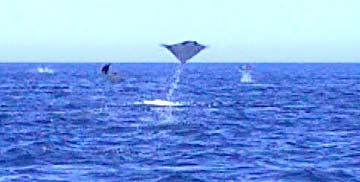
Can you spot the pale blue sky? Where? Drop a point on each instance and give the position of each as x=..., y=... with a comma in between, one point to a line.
x=131, y=30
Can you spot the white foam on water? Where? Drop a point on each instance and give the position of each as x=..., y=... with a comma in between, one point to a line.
x=45, y=70
x=158, y=102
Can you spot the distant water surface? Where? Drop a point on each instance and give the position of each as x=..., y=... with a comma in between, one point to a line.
x=67, y=122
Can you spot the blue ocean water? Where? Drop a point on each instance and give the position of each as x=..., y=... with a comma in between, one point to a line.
x=293, y=123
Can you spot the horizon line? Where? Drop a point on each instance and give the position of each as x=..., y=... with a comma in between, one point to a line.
x=230, y=62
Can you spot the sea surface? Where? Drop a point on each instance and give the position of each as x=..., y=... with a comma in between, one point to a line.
x=164, y=123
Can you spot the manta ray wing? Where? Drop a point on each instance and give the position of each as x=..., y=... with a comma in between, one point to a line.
x=185, y=50
x=105, y=68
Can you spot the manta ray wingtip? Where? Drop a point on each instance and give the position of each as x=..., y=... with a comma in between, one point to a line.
x=164, y=45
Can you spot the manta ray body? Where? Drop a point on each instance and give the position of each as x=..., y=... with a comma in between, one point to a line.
x=185, y=50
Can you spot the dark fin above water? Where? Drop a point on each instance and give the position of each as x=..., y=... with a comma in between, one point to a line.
x=105, y=68
x=112, y=76
x=185, y=50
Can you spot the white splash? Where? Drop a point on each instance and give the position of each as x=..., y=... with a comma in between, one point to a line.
x=246, y=77
x=174, y=84
x=168, y=104
x=246, y=74
x=159, y=102
x=45, y=70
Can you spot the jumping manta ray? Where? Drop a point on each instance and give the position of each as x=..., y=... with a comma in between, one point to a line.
x=105, y=68
x=114, y=77
x=185, y=50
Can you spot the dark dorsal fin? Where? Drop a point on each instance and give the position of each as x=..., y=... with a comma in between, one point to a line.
x=105, y=68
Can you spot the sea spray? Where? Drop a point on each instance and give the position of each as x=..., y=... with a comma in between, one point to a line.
x=246, y=77
x=175, y=81
x=246, y=74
